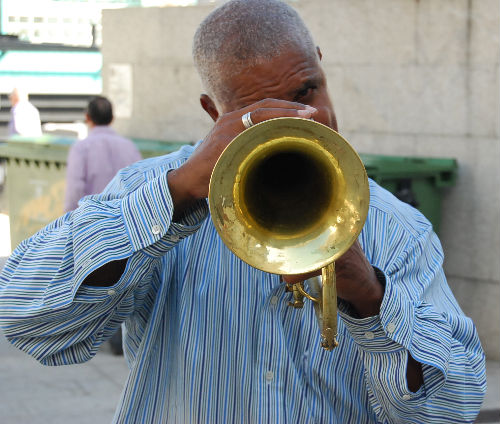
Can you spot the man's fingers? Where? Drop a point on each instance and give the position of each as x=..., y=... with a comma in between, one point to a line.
x=298, y=278
x=276, y=104
x=263, y=114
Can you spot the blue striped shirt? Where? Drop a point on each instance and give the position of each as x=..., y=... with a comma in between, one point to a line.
x=209, y=339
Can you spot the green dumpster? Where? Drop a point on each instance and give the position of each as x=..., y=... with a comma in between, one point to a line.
x=36, y=179
x=151, y=148
x=417, y=181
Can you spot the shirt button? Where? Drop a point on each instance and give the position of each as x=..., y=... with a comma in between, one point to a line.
x=369, y=335
x=274, y=300
x=156, y=229
x=111, y=292
x=391, y=327
x=175, y=238
x=406, y=397
x=269, y=375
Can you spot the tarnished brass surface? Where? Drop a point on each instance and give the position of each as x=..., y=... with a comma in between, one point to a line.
x=329, y=308
x=322, y=218
x=290, y=196
x=298, y=296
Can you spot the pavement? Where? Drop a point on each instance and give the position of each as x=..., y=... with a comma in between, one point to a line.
x=490, y=410
x=88, y=393
x=31, y=393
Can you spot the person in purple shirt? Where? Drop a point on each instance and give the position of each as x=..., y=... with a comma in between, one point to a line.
x=94, y=161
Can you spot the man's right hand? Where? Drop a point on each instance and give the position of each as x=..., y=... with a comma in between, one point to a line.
x=190, y=182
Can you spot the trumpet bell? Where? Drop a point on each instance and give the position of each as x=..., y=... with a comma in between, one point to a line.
x=289, y=196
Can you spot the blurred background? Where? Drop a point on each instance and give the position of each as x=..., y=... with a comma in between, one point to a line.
x=415, y=84
x=52, y=48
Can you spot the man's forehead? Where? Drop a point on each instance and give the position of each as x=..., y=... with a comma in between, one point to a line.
x=274, y=68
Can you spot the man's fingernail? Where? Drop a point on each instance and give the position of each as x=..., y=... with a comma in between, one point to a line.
x=304, y=113
x=312, y=109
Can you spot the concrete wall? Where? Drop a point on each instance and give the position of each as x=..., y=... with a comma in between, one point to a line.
x=407, y=77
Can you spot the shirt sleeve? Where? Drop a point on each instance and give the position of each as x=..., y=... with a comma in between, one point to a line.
x=75, y=176
x=419, y=317
x=44, y=308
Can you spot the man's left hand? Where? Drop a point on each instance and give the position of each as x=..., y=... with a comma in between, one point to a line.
x=356, y=281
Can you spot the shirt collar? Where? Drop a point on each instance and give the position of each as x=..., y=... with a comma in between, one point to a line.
x=101, y=129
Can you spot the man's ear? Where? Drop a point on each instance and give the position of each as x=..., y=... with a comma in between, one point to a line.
x=208, y=106
x=318, y=50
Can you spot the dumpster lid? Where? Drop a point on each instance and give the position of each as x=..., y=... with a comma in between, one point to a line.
x=443, y=170
x=47, y=147
x=150, y=147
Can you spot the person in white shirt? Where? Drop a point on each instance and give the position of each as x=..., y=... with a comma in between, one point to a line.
x=24, y=117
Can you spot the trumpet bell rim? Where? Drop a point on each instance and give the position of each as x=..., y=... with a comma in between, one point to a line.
x=312, y=245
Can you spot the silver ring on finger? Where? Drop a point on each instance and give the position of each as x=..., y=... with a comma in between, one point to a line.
x=247, y=120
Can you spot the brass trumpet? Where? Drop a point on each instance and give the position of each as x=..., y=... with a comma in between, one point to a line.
x=290, y=196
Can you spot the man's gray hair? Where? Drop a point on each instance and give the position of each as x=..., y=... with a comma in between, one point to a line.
x=245, y=33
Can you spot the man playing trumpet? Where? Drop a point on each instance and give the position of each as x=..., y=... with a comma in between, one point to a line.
x=211, y=339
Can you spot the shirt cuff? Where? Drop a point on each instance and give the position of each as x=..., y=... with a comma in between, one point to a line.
x=404, y=327
x=390, y=330
x=188, y=224
x=95, y=294
x=148, y=212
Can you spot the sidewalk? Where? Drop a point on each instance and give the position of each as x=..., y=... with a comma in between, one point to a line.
x=490, y=410
x=79, y=394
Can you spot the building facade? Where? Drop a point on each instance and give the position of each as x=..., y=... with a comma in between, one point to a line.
x=73, y=22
